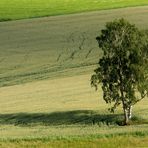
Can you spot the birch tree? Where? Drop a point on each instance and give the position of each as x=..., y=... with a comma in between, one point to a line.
x=122, y=70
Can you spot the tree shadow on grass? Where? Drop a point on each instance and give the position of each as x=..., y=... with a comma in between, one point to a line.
x=86, y=117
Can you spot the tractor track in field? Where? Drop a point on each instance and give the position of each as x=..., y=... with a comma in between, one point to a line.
x=60, y=41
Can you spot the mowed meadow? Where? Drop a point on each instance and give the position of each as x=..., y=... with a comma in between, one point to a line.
x=16, y=9
x=45, y=67
x=57, y=46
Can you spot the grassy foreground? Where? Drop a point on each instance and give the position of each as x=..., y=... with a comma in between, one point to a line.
x=65, y=112
x=113, y=142
x=16, y=9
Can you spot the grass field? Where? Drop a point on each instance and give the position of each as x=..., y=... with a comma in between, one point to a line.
x=16, y=9
x=113, y=142
x=65, y=112
x=45, y=95
x=36, y=49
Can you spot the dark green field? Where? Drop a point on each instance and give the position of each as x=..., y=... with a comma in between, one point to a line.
x=56, y=46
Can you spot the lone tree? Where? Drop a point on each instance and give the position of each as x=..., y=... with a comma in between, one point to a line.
x=122, y=70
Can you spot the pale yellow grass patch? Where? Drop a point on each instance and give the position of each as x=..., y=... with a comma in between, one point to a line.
x=71, y=93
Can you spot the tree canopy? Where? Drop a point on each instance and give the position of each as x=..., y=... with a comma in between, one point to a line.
x=123, y=68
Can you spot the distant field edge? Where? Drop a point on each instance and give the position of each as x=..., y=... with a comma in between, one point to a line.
x=18, y=14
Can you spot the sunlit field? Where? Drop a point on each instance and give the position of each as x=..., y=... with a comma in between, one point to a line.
x=16, y=9
x=64, y=109
x=45, y=68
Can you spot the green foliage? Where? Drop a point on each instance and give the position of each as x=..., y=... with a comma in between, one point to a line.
x=122, y=69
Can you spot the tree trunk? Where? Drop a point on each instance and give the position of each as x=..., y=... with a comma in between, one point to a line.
x=130, y=112
x=126, y=117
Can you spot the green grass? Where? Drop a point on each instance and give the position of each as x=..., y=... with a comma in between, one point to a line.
x=16, y=9
x=64, y=111
x=31, y=50
x=121, y=140
x=61, y=110
x=113, y=142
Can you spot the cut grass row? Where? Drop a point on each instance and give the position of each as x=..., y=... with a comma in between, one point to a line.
x=64, y=132
x=112, y=141
x=16, y=9
x=93, y=135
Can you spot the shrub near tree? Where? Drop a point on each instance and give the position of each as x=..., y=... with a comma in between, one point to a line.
x=122, y=70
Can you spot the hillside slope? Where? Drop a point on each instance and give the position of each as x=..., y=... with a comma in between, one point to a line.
x=56, y=46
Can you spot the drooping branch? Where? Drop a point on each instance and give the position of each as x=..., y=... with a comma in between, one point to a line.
x=142, y=97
